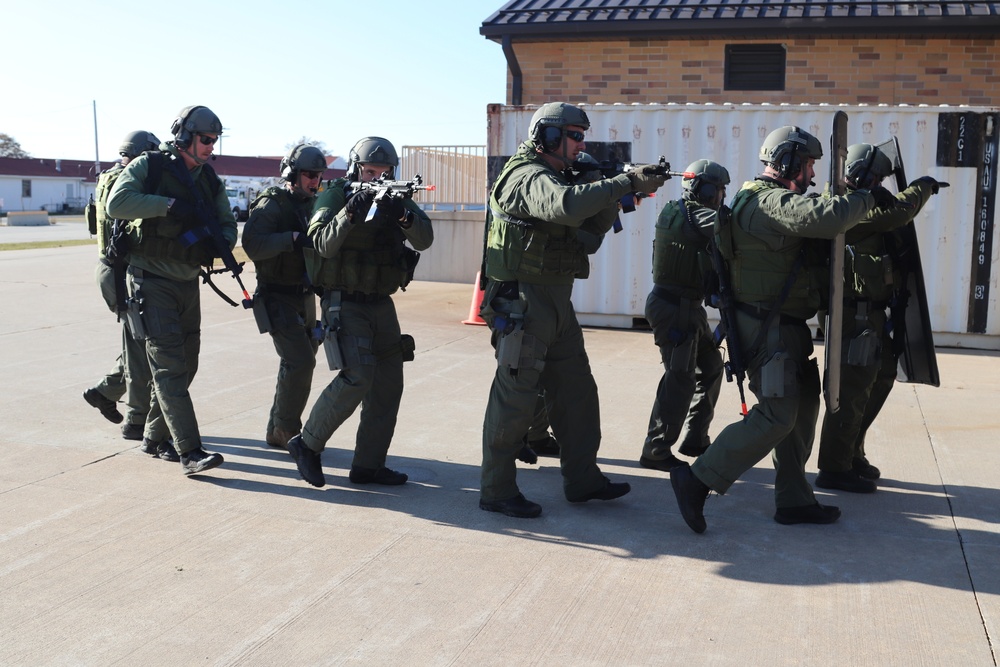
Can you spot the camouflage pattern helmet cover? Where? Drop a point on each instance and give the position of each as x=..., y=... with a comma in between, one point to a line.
x=137, y=143
x=866, y=165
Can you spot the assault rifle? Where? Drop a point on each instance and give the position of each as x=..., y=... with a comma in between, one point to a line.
x=722, y=299
x=612, y=168
x=386, y=189
x=209, y=229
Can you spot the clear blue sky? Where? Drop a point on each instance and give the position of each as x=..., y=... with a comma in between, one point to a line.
x=414, y=71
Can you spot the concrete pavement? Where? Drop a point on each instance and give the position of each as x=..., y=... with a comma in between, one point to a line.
x=110, y=557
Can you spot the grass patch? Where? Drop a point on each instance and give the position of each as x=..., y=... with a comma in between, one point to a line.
x=46, y=244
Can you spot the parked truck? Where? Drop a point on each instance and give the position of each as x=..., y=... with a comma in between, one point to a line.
x=242, y=191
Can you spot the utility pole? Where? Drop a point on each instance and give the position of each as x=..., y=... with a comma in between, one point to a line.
x=97, y=154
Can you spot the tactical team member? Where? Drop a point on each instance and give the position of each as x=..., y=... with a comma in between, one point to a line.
x=130, y=376
x=868, y=362
x=171, y=196
x=533, y=255
x=692, y=365
x=539, y=441
x=275, y=238
x=777, y=280
x=360, y=263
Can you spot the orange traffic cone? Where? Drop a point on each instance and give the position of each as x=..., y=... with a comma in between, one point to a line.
x=477, y=303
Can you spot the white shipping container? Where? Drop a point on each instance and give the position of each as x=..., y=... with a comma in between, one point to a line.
x=955, y=230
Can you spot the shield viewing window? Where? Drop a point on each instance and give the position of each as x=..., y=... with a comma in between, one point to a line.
x=755, y=67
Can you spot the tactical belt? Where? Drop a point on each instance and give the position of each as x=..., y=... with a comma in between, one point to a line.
x=872, y=305
x=144, y=274
x=661, y=292
x=275, y=288
x=761, y=314
x=361, y=297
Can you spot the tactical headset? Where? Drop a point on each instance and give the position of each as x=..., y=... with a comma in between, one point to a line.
x=547, y=136
x=288, y=170
x=182, y=128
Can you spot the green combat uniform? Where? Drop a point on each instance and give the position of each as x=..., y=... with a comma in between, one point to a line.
x=692, y=366
x=130, y=376
x=163, y=277
x=285, y=295
x=359, y=265
x=533, y=256
x=770, y=229
x=868, y=367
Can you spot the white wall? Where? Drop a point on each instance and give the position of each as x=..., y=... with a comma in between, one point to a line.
x=950, y=228
x=47, y=193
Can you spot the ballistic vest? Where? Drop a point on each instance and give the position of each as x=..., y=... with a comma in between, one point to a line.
x=105, y=182
x=761, y=263
x=159, y=238
x=373, y=258
x=680, y=253
x=531, y=250
x=285, y=268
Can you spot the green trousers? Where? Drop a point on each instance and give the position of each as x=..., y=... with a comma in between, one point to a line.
x=863, y=391
x=692, y=376
x=172, y=317
x=570, y=397
x=373, y=379
x=130, y=377
x=782, y=426
x=292, y=318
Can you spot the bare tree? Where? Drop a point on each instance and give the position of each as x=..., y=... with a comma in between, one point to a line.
x=308, y=142
x=10, y=148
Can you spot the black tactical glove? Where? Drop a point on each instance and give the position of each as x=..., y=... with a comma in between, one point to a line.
x=301, y=241
x=183, y=210
x=358, y=204
x=393, y=208
x=883, y=198
x=928, y=180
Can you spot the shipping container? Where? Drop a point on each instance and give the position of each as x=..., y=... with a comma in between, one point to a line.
x=958, y=145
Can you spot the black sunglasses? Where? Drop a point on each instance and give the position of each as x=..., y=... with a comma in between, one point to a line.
x=312, y=174
x=575, y=135
x=207, y=140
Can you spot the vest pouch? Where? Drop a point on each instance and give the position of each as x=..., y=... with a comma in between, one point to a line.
x=863, y=350
x=369, y=278
x=532, y=250
x=350, y=270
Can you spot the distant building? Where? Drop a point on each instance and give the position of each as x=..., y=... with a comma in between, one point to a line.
x=57, y=186
x=718, y=51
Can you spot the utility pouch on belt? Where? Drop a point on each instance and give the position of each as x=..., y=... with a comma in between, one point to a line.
x=863, y=349
x=133, y=315
x=331, y=343
x=509, y=347
x=772, y=376
x=407, y=346
x=260, y=313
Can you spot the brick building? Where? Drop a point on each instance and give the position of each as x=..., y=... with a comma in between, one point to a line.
x=754, y=51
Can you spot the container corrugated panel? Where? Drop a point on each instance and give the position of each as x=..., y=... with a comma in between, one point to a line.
x=955, y=230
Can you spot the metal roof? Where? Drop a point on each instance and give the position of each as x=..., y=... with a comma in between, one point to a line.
x=636, y=19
